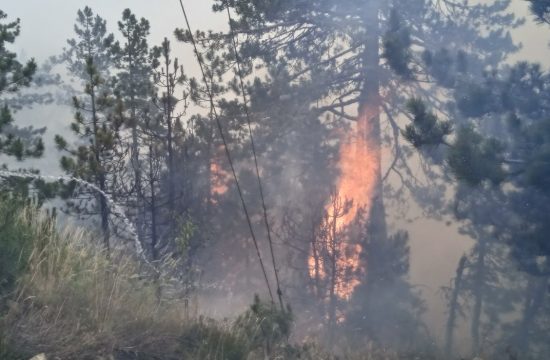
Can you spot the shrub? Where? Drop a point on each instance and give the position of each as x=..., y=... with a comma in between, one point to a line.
x=16, y=235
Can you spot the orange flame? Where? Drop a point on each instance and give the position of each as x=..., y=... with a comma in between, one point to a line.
x=359, y=166
x=218, y=180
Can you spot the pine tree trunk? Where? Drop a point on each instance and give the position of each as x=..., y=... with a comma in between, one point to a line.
x=369, y=125
x=103, y=206
x=478, y=295
x=370, y=131
x=316, y=261
x=136, y=167
x=153, y=209
x=171, y=180
x=536, y=290
x=210, y=154
x=171, y=170
x=333, y=246
x=453, y=307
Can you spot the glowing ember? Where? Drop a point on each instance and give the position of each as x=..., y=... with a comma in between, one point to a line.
x=218, y=180
x=359, y=165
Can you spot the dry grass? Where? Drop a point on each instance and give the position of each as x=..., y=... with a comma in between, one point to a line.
x=75, y=302
x=72, y=301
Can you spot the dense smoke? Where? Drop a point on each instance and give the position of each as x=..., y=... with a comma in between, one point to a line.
x=391, y=160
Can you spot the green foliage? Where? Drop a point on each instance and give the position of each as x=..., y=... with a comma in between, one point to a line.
x=185, y=231
x=133, y=59
x=471, y=157
x=16, y=237
x=474, y=159
x=392, y=318
x=541, y=10
x=210, y=340
x=97, y=158
x=426, y=129
x=262, y=329
x=473, y=100
x=91, y=42
x=6, y=350
x=503, y=139
x=442, y=66
x=397, y=46
x=321, y=61
x=264, y=323
x=13, y=74
x=537, y=171
x=13, y=77
x=537, y=164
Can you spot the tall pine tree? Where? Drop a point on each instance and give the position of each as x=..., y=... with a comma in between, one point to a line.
x=95, y=157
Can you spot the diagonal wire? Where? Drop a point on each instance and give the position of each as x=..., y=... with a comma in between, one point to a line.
x=247, y=113
x=227, y=152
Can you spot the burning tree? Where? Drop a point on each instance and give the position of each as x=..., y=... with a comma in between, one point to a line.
x=331, y=268
x=352, y=64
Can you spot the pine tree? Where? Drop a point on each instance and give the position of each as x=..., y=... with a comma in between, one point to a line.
x=330, y=57
x=541, y=10
x=95, y=158
x=133, y=86
x=16, y=142
x=171, y=100
x=454, y=307
x=13, y=77
x=499, y=157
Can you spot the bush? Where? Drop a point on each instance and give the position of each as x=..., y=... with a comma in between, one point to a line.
x=262, y=329
x=16, y=235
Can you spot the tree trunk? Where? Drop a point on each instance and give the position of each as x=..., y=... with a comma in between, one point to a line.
x=168, y=115
x=453, y=307
x=101, y=181
x=536, y=290
x=136, y=166
x=334, y=255
x=154, y=236
x=370, y=131
x=478, y=295
x=104, y=208
x=369, y=110
x=134, y=153
x=316, y=261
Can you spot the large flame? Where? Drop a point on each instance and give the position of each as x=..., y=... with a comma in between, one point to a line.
x=359, y=166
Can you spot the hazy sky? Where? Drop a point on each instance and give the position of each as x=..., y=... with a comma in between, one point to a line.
x=47, y=24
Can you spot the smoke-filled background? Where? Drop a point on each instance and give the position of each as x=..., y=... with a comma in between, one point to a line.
x=326, y=149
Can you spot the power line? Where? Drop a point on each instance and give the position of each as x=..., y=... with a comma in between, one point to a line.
x=226, y=147
x=247, y=113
